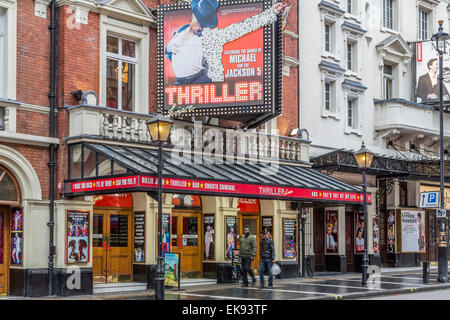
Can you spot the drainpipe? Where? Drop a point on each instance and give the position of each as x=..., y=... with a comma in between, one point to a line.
x=51, y=163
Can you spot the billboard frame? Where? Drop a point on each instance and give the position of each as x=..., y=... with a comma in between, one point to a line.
x=250, y=116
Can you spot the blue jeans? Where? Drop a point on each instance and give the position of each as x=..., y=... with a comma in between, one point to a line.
x=265, y=264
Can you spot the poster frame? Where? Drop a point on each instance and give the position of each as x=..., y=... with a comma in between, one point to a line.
x=134, y=235
x=11, y=235
x=225, y=237
x=179, y=269
x=400, y=235
x=325, y=233
x=203, y=236
x=67, y=238
x=295, y=238
x=272, y=78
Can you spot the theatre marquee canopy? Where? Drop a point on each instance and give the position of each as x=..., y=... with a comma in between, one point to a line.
x=101, y=169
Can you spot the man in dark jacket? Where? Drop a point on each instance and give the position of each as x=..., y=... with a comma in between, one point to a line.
x=267, y=254
x=247, y=252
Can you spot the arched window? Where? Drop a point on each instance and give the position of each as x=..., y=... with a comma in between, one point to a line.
x=9, y=188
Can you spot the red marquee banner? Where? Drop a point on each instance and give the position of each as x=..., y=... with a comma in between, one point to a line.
x=214, y=187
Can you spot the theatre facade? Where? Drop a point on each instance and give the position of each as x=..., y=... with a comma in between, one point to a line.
x=107, y=223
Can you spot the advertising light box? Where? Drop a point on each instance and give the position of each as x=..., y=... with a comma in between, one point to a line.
x=220, y=59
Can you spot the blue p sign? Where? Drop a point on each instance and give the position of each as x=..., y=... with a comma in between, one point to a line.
x=431, y=197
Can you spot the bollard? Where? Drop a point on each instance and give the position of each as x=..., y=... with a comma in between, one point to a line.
x=426, y=272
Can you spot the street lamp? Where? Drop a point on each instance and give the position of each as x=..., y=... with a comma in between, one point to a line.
x=159, y=128
x=440, y=45
x=364, y=158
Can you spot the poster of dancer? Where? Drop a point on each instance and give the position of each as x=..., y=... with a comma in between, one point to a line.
x=77, y=228
x=289, y=238
x=230, y=239
x=17, y=236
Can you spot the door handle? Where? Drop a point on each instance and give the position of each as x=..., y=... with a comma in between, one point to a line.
x=104, y=245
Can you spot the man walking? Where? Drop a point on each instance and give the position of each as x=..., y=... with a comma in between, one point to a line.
x=247, y=252
x=267, y=254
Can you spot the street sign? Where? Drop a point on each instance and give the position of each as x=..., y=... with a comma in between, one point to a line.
x=429, y=199
x=441, y=213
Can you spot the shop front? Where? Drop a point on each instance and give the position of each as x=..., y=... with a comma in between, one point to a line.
x=205, y=210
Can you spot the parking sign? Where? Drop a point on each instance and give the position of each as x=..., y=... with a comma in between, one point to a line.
x=429, y=199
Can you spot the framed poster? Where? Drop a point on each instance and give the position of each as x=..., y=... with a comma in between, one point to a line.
x=209, y=232
x=412, y=231
x=391, y=248
x=230, y=238
x=230, y=68
x=165, y=234
x=359, y=232
x=172, y=269
x=139, y=236
x=16, y=236
x=331, y=232
x=267, y=226
x=77, y=240
x=289, y=238
x=427, y=73
x=375, y=236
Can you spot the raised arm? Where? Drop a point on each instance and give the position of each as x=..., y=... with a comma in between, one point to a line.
x=239, y=29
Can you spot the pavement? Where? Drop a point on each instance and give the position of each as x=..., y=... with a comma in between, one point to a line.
x=323, y=286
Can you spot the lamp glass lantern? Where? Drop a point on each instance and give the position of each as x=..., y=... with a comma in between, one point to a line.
x=440, y=39
x=159, y=127
x=363, y=157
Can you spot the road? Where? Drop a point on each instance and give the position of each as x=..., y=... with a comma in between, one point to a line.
x=335, y=288
x=431, y=295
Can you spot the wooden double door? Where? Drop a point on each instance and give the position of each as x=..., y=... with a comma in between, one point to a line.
x=112, y=246
x=186, y=241
x=4, y=250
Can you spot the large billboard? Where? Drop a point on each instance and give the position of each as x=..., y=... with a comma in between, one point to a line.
x=427, y=74
x=220, y=59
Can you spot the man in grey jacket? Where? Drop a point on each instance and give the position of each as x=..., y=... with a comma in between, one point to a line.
x=267, y=254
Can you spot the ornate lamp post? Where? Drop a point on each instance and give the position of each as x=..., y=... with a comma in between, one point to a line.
x=159, y=128
x=364, y=158
x=440, y=45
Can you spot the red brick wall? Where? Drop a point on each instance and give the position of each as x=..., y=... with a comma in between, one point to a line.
x=38, y=157
x=289, y=119
x=33, y=55
x=29, y=122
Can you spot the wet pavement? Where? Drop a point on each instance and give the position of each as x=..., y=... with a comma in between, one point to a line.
x=334, y=288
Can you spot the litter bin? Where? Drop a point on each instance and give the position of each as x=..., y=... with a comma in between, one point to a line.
x=426, y=271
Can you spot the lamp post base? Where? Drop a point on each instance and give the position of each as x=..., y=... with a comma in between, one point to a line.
x=159, y=285
x=442, y=263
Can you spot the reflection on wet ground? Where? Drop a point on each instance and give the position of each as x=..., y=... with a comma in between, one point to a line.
x=337, y=288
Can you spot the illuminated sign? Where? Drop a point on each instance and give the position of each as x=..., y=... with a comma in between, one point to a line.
x=228, y=66
x=176, y=185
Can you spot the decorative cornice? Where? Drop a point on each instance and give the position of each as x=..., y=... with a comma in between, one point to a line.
x=331, y=7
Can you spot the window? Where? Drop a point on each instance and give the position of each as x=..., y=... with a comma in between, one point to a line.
x=352, y=113
x=423, y=24
x=2, y=50
x=327, y=96
x=388, y=81
x=327, y=37
x=350, y=6
x=121, y=66
x=388, y=14
x=349, y=56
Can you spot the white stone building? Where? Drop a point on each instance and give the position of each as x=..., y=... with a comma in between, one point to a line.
x=357, y=83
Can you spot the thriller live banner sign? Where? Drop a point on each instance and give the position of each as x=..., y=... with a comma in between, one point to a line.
x=191, y=186
x=230, y=70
